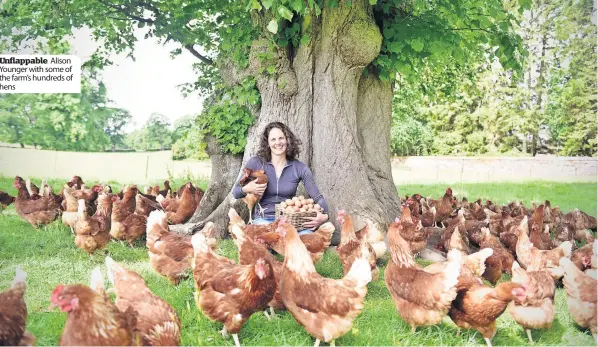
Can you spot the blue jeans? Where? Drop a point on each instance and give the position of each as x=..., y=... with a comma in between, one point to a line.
x=268, y=220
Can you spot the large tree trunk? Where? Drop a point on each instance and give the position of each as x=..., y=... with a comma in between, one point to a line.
x=341, y=115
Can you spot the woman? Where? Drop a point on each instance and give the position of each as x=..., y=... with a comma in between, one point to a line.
x=277, y=156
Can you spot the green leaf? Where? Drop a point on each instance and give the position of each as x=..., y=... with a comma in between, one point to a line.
x=436, y=48
x=305, y=39
x=273, y=26
x=389, y=33
x=271, y=69
x=417, y=45
x=267, y=4
x=373, y=2
x=255, y=5
x=285, y=13
x=297, y=6
x=395, y=47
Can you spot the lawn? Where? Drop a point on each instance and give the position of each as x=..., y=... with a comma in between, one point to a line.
x=50, y=257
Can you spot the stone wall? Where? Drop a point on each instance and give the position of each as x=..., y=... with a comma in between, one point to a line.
x=410, y=170
x=142, y=167
x=132, y=167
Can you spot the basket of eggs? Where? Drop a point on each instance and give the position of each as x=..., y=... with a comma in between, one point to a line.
x=297, y=210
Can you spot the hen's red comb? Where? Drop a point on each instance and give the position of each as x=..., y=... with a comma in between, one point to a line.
x=56, y=292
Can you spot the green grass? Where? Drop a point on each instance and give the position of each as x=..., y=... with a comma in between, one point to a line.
x=565, y=195
x=50, y=257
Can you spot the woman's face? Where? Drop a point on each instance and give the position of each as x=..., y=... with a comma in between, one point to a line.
x=277, y=142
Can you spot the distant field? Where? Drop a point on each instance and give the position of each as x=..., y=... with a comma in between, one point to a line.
x=565, y=195
x=50, y=257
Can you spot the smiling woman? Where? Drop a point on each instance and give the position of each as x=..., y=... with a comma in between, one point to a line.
x=277, y=154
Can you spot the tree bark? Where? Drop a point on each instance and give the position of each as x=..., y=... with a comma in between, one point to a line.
x=341, y=115
x=216, y=199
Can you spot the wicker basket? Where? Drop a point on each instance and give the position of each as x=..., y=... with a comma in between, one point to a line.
x=295, y=218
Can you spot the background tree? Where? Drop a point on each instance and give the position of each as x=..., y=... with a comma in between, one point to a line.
x=187, y=139
x=327, y=68
x=158, y=130
x=481, y=107
x=73, y=122
x=17, y=122
x=115, y=127
x=137, y=140
x=571, y=89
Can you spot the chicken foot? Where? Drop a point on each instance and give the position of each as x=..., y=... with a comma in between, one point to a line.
x=529, y=335
x=236, y=338
x=224, y=332
x=261, y=210
x=488, y=342
x=317, y=344
x=270, y=315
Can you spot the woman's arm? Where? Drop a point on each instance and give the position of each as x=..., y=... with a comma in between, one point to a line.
x=312, y=189
x=314, y=193
x=253, y=163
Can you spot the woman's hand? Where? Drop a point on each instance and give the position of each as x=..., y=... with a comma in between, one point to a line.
x=315, y=221
x=254, y=188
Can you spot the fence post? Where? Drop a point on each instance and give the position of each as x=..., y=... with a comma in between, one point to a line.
x=146, y=166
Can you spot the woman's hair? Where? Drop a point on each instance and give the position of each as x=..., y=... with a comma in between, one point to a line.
x=293, y=143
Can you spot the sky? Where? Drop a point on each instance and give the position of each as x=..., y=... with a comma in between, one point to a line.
x=148, y=84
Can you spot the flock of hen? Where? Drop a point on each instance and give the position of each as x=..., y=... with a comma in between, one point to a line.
x=480, y=241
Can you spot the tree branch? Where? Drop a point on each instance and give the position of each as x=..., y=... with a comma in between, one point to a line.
x=126, y=13
x=472, y=29
x=118, y=18
x=157, y=13
x=149, y=6
x=205, y=60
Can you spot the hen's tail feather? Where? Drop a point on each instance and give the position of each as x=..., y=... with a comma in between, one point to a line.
x=97, y=280
x=238, y=233
x=380, y=249
x=477, y=261
x=156, y=217
x=110, y=267
x=452, y=270
x=360, y=272
x=20, y=277
x=374, y=233
x=199, y=243
x=566, y=246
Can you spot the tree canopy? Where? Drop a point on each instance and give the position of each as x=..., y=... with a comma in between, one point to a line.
x=470, y=77
x=417, y=36
x=485, y=108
